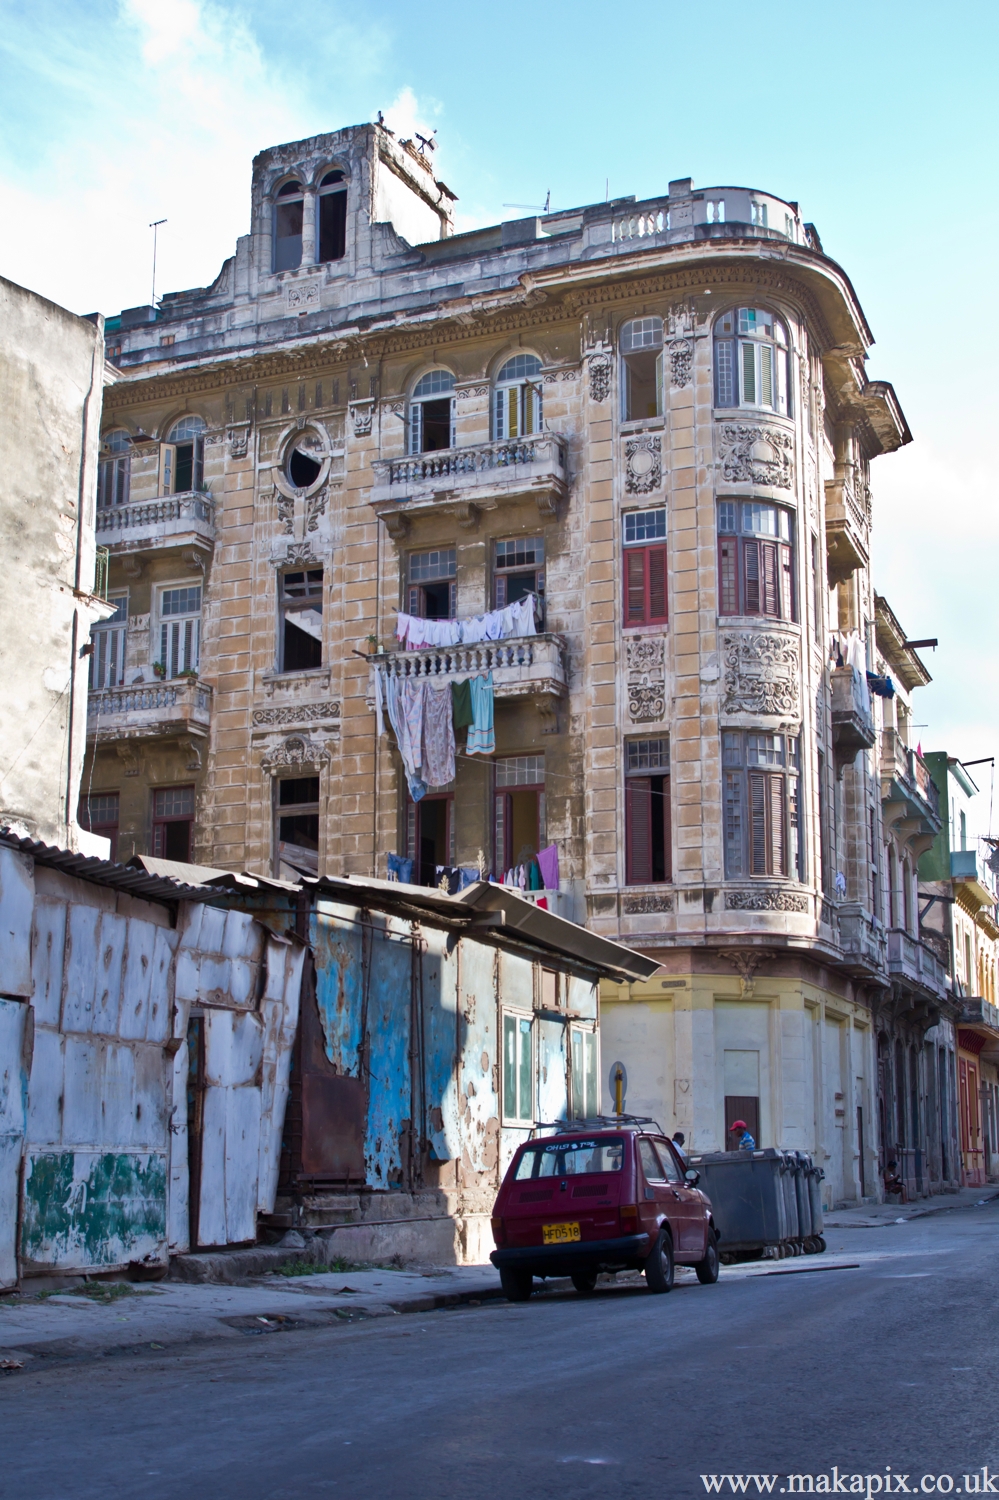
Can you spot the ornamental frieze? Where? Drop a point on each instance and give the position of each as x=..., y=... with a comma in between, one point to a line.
x=640, y=906
x=296, y=713
x=762, y=673
x=645, y=663
x=767, y=900
x=751, y=454
x=643, y=465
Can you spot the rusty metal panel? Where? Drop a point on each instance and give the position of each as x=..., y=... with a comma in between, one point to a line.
x=46, y=1088
x=179, y=1179
x=84, y=1209
x=439, y=1005
x=137, y=980
x=279, y=1011
x=47, y=961
x=160, y=986
x=15, y=1021
x=551, y=1053
x=82, y=937
x=389, y=1013
x=478, y=1105
x=336, y=942
x=231, y=1140
x=242, y=1154
x=516, y=987
x=17, y=899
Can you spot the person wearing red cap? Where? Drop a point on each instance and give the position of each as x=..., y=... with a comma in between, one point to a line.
x=746, y=1142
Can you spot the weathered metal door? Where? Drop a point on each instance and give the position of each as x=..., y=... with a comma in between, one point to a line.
x=15, y=1027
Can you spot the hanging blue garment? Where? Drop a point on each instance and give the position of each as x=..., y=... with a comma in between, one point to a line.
x=401, y=868
x=481, y=739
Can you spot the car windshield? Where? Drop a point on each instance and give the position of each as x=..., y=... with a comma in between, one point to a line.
x=571, y=1158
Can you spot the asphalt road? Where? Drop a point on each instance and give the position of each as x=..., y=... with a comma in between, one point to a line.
x=894, y=1364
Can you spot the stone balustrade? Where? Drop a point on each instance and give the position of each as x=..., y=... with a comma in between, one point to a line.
x=521, y=666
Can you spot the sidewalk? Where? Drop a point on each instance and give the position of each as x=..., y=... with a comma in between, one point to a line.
x=125, y=1317
x=876, y=1215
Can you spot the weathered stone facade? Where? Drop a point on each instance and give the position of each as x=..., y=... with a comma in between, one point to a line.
x=763, y=908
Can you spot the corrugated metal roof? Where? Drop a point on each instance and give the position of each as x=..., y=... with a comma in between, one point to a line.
x=136, y=882
x=494, y=913
x=208, y=875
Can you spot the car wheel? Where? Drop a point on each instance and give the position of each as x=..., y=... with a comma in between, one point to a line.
x=585, y=1282
x=659, y=1266
x=517, y=1285
x=707, y=1269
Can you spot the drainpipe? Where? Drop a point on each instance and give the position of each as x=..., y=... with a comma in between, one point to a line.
x=77, y=575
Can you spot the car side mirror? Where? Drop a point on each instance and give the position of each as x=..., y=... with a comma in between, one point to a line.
x=691, y=1177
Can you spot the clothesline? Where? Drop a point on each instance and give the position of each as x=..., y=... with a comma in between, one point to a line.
x=495, y=625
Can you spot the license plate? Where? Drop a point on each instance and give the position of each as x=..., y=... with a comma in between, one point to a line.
x=560, y=1234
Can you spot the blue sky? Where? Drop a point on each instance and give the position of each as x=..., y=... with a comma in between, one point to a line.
x=879, y=118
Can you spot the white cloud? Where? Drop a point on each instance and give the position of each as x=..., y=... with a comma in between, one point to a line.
x=407, y=117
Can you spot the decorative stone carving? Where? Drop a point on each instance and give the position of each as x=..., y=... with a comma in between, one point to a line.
x=750, y=454
x=765, y=900
x=286, y=513
x=361, y=413
x=745, y=961
x=300, y=552
x=239, y=439
x=600, y=377
x=296, y=752
x=302, y=295
x=762, y=673
x=297, y=713
x=643, y=464
x=315, y=506
x=645, y=658
x=681, y=357
x=639, y=906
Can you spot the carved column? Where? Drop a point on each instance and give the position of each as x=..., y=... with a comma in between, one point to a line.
x=310, y=249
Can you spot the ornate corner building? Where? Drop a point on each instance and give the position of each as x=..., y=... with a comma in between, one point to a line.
x=654, y=418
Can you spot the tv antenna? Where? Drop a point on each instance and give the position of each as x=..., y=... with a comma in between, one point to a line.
x=155, y=226
x=426, y=141
x=541, y=208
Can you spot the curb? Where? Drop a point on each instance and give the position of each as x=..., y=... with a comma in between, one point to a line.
x=918, y=1212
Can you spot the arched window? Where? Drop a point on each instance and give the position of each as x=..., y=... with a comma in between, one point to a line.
x=431, y=412
x=751, y=360
x=517, y=397
x=183, y=456
x=332, y=226
x=288, y=212
x=113, y=469
x=641, y=344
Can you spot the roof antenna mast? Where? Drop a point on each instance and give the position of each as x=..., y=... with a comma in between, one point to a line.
x=155, y=226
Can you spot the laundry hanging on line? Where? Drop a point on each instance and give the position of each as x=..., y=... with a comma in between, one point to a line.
x=497, y=624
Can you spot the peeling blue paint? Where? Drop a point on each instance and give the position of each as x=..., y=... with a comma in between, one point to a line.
x=336, y=939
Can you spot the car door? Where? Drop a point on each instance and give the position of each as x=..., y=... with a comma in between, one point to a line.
x=659, y=1194
x=690, y=1212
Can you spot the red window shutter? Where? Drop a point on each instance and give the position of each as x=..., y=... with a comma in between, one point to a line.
x=751, y=564
x=657, y=584
x=769, y=587
x=728, y=576
x=638, y=830
x=634, y=585
x=786, y=584
x=667, y=830
x=778, y=841
x=758, y=839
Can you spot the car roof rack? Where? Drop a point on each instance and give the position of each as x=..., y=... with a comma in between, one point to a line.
x=596, y=1122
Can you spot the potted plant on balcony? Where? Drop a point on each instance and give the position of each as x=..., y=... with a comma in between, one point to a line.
x=159, y=670
x=190, y=672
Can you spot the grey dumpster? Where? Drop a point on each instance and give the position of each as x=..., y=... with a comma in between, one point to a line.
x=792, y=1234
x=804, y=1166
x=748, y=1199
x=815, y=1178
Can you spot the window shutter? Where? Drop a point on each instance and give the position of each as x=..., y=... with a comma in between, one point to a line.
x=512, y=394
x=634, y=585
x=733, y=823
x=778, y=842
x=758, y=839
x=122, y=473
x=499, y=426
x=728, y=576
x=766, y=375
x=638, y=830
x=751, y=592
x=539, y=411
x=501, y=826
x=749, y=373
x=416, y=427
x=452, y=434
x=198, y=465
x=657, y=584
x=414, y=602
x=769, y=587
x=667, y=830
x=786, y=584
x=168, y=455
x=724, y=385
x=500, y=591
x=660, y=405
x=452, y=601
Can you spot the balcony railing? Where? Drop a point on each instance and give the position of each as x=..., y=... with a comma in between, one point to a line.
x=481, y=472
x=148, y=710
x=170, y=520
x=853, y=726
x=861, y=938
x=915, y=961
x=908, y=777
x=521, y=666
x=848, y=527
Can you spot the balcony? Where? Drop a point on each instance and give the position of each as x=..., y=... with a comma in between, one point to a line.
x=186, y=520
x=465, y=481
x=524, y=666
x=852, y=724
x=908, y=793
x=848, y=528
x=168, y=710
x=915, y=962
x=980, y=1017
x=971, y=878
x=862, y=940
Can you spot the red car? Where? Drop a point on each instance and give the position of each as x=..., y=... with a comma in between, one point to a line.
x=600, y=1196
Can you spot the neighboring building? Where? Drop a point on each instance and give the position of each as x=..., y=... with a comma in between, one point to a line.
x=653, y=417
x=958, y=888
x=51, y=381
